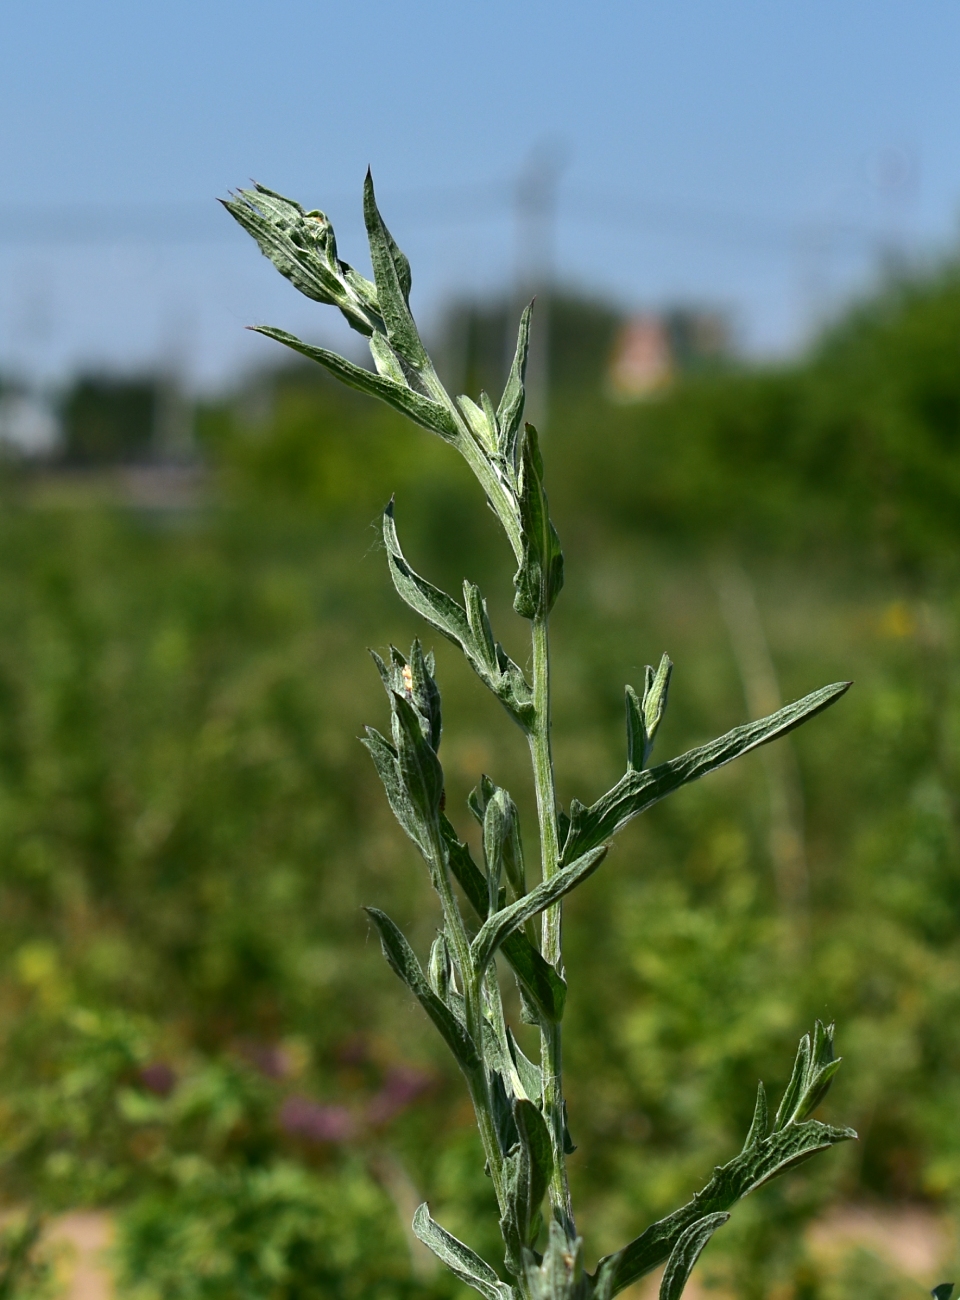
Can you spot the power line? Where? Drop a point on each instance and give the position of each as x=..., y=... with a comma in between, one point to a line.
x=758, y=234
x=202, y=222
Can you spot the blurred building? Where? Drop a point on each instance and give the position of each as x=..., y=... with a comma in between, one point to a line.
x=652, y=349
x=591, y=346
x=642, y=362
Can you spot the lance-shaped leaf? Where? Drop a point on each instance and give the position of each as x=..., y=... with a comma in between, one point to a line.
x=302, y=247
x=403, y=961
x=385, y=760
x=391, y=272
x=463, y=1262
x=813, y=1073
x=685, y=1254
x=493, y=931
x=530, y=1075
x=502, y=845
x=761, y=1120
x=559, y=1275
x=417, y=761
x=510, y=410
x=540, y=576
x=644, y=717
x=440, y=968
x=636, y=731
x=494, y=833
x=527, y=1172
x=764, y=1156
x=386, y=360
x=466, y=626
x=637, y=791
x=655, y=689
x=422, y=410
x=482, y=421
x=772, y=1156
x=501, y=1108
x=538, y=980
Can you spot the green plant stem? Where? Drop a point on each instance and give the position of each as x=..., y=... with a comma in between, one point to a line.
x=551, y=1053
x=504, y=505
x=473, y=1007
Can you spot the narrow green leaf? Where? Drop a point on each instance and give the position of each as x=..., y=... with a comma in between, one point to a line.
x=480, y=796
x=417, y=761
x=493, y=932
x=685, y=1254
x=730, y=1183
x=656, y=686
x=530, y=1075
x=385, y=760
x=440, y=968
x=527, y=1172
x=760, y=1122
x=501, y=1107
x=386, y=360
x=794, y=1089
x=490, y=415
x=502, y=847
x=463, y=1262
x=440, y=610
x=479, y=423
x=539, y=578
x=762, y=1159
x=538, y=980
x=636, y=731
x=422, y=410
x=478, y=621
x=823, y=1066
x=403, y=962
x=535, y=1140
x=559, y=1274
x=495, y=831
x=425, y=695
x=391, y=273
x=637, y=791
x=467, y=629
x=812, y=1076
x=510, y=410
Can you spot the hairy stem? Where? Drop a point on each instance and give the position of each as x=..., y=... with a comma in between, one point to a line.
x=473, y=1006
x=551, y=1054
x=502, y=501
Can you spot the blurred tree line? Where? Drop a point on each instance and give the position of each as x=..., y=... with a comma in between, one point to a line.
x=197, y=1027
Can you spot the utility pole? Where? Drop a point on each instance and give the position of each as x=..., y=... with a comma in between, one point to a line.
x=535, y=206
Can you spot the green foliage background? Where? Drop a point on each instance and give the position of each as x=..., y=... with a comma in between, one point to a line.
x=188, y=827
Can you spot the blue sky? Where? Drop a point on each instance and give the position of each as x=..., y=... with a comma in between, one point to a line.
x=753, y=156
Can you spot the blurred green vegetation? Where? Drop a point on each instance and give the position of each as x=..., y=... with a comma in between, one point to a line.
x=198, y=1030
x=107, y=420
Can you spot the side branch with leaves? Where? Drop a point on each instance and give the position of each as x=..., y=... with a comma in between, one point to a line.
x=519, y=1103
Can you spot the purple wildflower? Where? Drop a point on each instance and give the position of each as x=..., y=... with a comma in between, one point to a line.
x=402, y=1086
x=301, y=1117
x=159, y=1077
